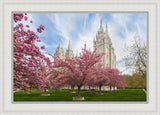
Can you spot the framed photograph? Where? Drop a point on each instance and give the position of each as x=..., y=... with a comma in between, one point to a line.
x=104, y=55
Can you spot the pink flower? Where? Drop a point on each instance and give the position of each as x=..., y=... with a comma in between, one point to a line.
x=25, y=18
x=42, y=47
x=31, y=21
x=39, y=30
x=25, y=13
x=20, y=25
x=18, y=17
x=27, y=26
x=41, y=27
x=38, y=40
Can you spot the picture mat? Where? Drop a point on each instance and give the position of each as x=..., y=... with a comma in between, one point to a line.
x=88, y=107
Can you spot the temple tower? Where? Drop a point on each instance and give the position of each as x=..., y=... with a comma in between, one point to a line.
x=69, y=52
x=59, y=52
x=104, y=45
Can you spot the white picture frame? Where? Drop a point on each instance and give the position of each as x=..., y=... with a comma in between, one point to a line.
x=150, y=6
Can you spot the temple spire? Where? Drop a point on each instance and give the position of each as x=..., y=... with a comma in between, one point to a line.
x=77, y=54
x=59, y=43
x=101, y=22
x=106, y=29
x=101, y=27
x=69, y=45
x=59, y=52
x=69, y=52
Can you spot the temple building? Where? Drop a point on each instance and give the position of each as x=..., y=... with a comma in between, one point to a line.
x=60, y=52
x=102, y=43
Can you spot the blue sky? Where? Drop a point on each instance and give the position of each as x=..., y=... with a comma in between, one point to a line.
x=82, y=27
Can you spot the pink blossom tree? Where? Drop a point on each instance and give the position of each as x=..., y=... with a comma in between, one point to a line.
x=79, y=67
x=99, y=77
x=115, y=78
x=121, y=83
x=58, y=78
x=30, y=65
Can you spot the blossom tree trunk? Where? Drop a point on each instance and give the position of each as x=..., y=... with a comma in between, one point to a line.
x=110, y=88
x=79, y=91
x=100, y=86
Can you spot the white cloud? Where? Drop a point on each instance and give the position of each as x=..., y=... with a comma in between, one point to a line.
x=66, y=24
x=88, y=35
x=118, y=22
x=63, y=26
x=63, y=23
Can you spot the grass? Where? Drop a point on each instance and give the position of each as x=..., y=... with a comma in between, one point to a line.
x=66, y=95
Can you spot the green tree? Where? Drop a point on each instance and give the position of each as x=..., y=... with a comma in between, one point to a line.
x=137, y=56
x=135, y=81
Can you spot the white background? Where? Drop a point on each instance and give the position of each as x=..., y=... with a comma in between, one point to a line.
x=150, y=6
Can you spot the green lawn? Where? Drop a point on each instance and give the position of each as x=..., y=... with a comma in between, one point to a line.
x=66, y=95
